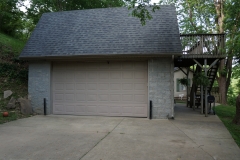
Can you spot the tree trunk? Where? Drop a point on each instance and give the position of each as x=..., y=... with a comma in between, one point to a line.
x=222, y=79
x=225, y=69
x=236, y=119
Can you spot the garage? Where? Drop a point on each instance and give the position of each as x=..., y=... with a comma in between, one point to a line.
x=102, y=88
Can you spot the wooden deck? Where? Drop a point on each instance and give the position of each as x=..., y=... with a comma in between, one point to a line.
x=200, y=47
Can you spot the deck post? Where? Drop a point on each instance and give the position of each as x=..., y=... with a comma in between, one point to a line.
x=194, y=98
x=193, y=90
x=205, y=70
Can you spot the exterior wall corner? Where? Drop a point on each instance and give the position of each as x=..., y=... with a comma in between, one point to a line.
x=160, y=88
x=39, y=85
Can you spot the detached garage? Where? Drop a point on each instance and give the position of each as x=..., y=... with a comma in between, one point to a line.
x=103, y=62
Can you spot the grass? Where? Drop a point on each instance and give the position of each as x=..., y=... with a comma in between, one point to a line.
x=10, y=76
x=177, y=100
x=14, y=44
x=226, y=114
x=12, y=115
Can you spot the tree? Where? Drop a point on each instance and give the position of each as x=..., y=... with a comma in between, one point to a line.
x=140, y=11
x=11, y=17
x=38, y=7
x=210, y=16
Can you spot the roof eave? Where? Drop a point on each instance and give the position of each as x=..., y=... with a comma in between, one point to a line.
x=96, y=56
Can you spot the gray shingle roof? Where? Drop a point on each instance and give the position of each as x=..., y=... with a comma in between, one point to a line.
x=108, y=31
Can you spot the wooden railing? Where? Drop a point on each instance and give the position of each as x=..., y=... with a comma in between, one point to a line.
x=203, y=44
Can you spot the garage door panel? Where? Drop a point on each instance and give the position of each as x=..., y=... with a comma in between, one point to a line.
x=58, y=86
x=128, y=86
x=115, y=86
x=128, y=66
x=58, y=77
x=80, y=109
x=80, y=97
x=115, y=75
x=103, y=86
x=80, y=76
x=59, y=108
x=91, y=109
x=140, y=109
x=80, y=86
x=58, y=97
x=127, y=97
x=91, y=97
x=69, y=97
x=128, y=110
x=139, y=98
x=140, y=66
x=70, y=109
x=128, y=75
x=92, y=86
x=93, y=75
x=115, y=97
x=115, y=65
x=69, y=76
x=69, y=86
x=115, y=110
x=139, y=75
x=114, y=89
x=104, y=75
x=102, y=110
x=103, y=97
x=140, y=86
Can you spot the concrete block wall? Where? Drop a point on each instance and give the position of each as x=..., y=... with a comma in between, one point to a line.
x=161, y=86
x=39, y=82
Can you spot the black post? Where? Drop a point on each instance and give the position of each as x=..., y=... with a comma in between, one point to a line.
x=45, y=106
x=150, y=110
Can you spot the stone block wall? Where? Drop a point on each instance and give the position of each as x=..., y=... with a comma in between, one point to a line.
x=39, y=81
x=160, y=87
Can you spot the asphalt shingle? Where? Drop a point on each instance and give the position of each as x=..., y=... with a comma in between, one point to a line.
x=108, y=31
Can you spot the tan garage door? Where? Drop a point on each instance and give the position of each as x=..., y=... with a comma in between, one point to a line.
x=109, y=89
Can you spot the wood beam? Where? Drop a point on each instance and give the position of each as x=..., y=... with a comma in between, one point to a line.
x=197, y=63
x=212, y=64
x=182, y=71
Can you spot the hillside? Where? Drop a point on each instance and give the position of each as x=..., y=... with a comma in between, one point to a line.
x=13, y=75
x=14, y=44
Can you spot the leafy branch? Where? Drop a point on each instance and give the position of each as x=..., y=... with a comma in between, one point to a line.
x=141, y=9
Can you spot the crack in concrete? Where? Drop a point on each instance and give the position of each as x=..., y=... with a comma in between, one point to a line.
x=199, y=146
x=101, y=140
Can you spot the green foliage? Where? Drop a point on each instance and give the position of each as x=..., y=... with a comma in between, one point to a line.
x=140, y=9
x=195, y=16
x=232, y=25
x=38, y=7
x=236, y=71
x=201, y=79
x=14, y=72
x=11, y=17
x=184, y=81
x=10, y=44
x=231, y=96
x=223, y=72
x=226, y=114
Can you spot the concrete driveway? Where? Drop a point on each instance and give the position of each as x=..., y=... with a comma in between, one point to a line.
x=189, y=136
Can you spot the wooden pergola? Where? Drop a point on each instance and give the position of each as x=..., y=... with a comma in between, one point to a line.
x=201, y=52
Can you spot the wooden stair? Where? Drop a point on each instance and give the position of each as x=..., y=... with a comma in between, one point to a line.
x=211, y=74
